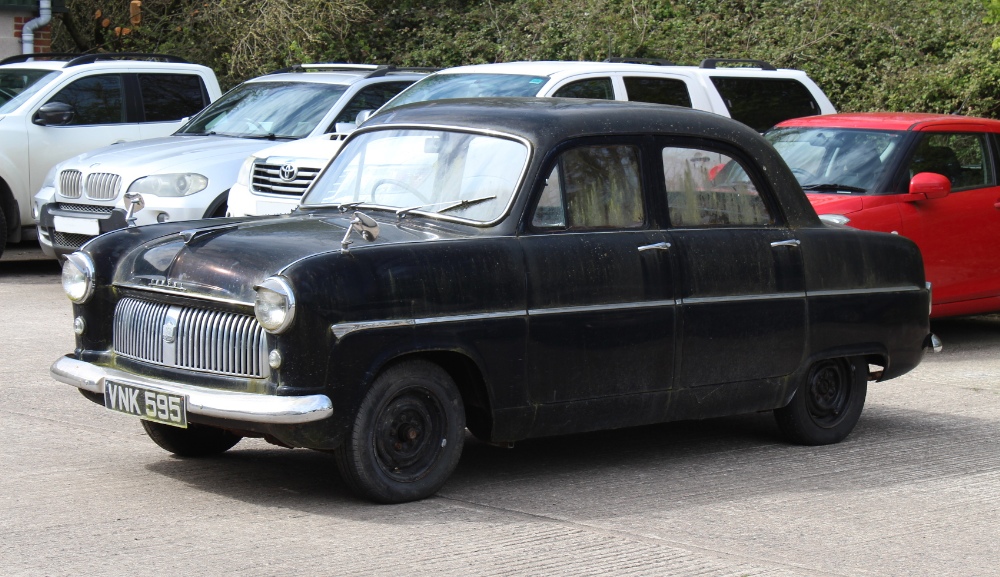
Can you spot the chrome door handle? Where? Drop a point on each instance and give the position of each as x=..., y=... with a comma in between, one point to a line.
x=655, y=246
x=793, y=242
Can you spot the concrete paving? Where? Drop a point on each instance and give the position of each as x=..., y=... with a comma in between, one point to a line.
x=915, y=490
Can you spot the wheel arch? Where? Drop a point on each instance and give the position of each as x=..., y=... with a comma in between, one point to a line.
x=11, y=211
x=220, y=202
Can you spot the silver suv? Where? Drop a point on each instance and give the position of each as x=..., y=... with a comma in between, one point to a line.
x=188, y=175
x=55, y=106
x=755, y=93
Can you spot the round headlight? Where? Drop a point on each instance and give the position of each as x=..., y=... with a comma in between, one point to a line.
x=78, y=277
x=274, y=305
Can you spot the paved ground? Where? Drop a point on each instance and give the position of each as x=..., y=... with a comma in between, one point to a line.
x=914, y=491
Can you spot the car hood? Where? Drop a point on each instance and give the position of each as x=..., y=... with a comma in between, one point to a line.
x=835, y=203
x=225, y=261
x=167, y=154
x=320, y=147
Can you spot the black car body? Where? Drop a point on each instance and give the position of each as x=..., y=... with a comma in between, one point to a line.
x=523, y=267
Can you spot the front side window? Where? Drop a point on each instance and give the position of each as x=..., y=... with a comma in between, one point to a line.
x=837, y=160
x=451, y=174
x=368, y=98
x=658, y=90
x=593, y=187
x=599, y=88
x=286, y=110
x=95, y=100
x=19, y=84
x=168, y=97
x=707, y=188
x=760, y=103
x=962, y=158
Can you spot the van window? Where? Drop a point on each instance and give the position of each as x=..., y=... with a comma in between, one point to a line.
x=95, y=99
x=599, y=88
x=763, y=102
x=167, y=97
x=657, y=90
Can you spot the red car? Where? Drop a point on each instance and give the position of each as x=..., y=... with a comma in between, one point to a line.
x=931, y=178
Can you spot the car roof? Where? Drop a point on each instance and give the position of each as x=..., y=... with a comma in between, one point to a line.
x=553, y=67
x=76, y=62
x=344, y=74
x=905, y=121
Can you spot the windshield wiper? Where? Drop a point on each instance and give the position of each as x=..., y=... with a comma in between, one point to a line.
x=834, y=187
x=269, y=136
x=449, y=205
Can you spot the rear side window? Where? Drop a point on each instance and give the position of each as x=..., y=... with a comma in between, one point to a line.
x=763, y=102
x=599, y=88
x=658, y=90
x=167, y=97
x=706, y=188
x=95, y=100
x=593, y=187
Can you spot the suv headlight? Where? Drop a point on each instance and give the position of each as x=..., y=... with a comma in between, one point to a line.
x=78, y=277
x=180, y=184
x=274, y=305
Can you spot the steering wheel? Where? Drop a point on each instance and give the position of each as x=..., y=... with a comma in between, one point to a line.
x=802, y=174
x=404, y=185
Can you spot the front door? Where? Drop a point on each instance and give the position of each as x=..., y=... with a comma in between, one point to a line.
x=600, y=282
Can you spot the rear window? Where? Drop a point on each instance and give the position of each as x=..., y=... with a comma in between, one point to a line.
x=167, y=97
x=657, y=90
x=763, y=102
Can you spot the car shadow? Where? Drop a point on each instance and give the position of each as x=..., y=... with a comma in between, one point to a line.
x=595, y=475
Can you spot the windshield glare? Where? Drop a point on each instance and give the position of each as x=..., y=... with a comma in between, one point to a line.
x=263, y=109
x=828, y=159
x=18, y=84
x=454, y=174
x=440, y=86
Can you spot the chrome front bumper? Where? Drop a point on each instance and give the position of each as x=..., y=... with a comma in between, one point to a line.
x=248, y=407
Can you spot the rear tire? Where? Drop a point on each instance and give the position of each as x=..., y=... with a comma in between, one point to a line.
x=3, y=231
x=828, y=404
x=194, y=441
x=407, y=436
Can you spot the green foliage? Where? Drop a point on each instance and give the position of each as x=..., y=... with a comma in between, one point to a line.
x=927, y=55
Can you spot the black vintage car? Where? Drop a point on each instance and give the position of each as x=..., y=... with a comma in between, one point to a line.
x=517, y=267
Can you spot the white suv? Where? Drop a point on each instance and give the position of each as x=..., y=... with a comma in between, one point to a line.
x=188, y=175
x=54, y=106
x=754, y=93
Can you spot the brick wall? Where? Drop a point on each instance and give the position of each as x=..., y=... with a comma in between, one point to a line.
x=43, y=35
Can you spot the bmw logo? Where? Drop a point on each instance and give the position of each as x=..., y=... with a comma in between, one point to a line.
x=287, y=172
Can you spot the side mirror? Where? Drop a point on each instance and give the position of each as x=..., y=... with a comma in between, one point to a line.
x=363, y=116
x=928, y=186
x=54, y=114
x=344, y=128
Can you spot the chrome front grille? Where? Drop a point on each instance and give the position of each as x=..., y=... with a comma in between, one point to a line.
x=69, y=183
x=274, y=178
x=103, y=186
x=206, y=340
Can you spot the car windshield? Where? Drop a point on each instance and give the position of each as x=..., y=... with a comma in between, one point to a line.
x=460, y=175
x=440, y=86
x=834, y=159
x=18, y=84
x=267, y=110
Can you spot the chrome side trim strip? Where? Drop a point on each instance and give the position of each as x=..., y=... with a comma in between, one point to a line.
x=602, y=308
x=341, y=329
x=839, y=292
x=251, y=407
x=742, y=298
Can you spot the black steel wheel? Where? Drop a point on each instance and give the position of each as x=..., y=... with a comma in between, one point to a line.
x=828, y=404
x=407, y=436
x=194, y=441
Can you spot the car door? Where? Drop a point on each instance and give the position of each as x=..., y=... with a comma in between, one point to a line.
x=600, y=281
x=740, y=288
x=957, y=234
x=100, y=118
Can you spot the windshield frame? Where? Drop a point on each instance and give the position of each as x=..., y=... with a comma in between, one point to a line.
x=502, y=215
x=215, y=110
x=882, y=183
x=34, y=88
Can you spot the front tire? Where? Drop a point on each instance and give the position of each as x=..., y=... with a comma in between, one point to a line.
x=194, y=441
x=407, y=436
x=828, y=404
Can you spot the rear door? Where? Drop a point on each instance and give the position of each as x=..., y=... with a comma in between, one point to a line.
x=740, y=276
